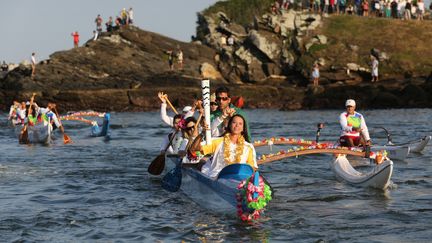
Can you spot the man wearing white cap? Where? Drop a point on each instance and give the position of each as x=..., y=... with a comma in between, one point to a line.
x=354, y=129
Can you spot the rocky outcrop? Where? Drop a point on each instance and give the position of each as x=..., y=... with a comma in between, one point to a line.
x=268, y=62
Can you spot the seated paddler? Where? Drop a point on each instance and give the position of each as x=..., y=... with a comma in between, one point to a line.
x=354, y=130
x=233, y=147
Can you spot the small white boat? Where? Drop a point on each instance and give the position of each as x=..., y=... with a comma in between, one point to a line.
x=394, y=152
x=378, y=177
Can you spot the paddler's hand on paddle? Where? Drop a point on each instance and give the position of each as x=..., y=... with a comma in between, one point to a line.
x=368, y=143
x=162, y=96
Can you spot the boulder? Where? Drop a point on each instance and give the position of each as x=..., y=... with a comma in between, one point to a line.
x=209, y=72
x=266, y=42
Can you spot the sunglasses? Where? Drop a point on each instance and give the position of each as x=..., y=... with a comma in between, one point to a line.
x=213, y=103
x=222, y=98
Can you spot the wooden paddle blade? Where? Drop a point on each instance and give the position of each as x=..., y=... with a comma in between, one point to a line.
x=172, y=180
x=66, y=139
x=157, y=165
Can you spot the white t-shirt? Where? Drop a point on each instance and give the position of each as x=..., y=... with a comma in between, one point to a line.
x=33, y=59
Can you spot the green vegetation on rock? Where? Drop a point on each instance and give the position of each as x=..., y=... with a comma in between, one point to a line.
x=405, y=42
x=241, y=11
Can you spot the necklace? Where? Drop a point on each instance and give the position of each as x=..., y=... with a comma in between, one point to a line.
x=238, y=150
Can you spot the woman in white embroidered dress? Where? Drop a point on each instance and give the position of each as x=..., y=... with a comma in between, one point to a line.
x=231, y=148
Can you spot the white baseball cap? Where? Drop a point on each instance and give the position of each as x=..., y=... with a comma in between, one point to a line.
x=187, y=109
x=350, y=102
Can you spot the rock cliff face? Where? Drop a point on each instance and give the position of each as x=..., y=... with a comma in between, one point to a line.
x=268, y=63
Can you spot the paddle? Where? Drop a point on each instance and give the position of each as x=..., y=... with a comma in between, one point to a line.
x=158, y=164
x=23, y=138
x=66, y=138
x=169, y=103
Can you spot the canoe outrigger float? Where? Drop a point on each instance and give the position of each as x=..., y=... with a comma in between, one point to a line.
x=378, y=177
x=96, y=130
x=415, y=146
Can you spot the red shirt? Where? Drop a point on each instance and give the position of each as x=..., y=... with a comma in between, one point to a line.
x=76, y=38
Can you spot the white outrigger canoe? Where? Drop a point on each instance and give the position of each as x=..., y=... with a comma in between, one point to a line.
x=40, y=133
x=378, y=177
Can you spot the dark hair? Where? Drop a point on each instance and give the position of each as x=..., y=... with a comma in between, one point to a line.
x=190, y=119
x=178, y=116
x=245, y=131
x=222, y=89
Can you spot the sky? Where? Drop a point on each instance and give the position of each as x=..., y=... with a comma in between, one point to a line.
x=45, y=26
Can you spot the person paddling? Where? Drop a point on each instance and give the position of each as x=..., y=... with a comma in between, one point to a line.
x=353, y=125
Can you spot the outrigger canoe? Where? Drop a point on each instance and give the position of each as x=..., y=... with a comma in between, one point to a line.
x=219, y=194
x=39, y=133
x=378, y=177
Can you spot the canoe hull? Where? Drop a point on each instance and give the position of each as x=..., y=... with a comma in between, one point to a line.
x=215, y=195
x=378, y=177
x=37, y=134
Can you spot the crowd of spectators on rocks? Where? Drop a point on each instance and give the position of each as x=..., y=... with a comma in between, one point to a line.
x=398, y=9
x=124, y=18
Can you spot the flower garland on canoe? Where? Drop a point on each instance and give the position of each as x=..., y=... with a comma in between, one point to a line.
x=249, y=208
x=379, y=156
x=283, y=140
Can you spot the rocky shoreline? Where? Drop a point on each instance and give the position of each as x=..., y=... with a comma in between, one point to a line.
x=268, y=64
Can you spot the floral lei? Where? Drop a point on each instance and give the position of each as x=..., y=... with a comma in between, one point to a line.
x=248, y=208
x=238, y=150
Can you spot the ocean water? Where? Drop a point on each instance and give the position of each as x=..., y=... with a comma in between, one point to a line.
x=100, y=191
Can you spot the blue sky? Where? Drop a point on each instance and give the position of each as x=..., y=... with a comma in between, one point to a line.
x=45, y=26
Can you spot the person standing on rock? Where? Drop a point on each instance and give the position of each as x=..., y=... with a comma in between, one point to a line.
x=180, y=58
x=170, y=54
x=98, y=22
x=131, y=16
x=4, y=67
x=374, y=68
x=33, y=65
x=315, y=74
x=75, y=39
